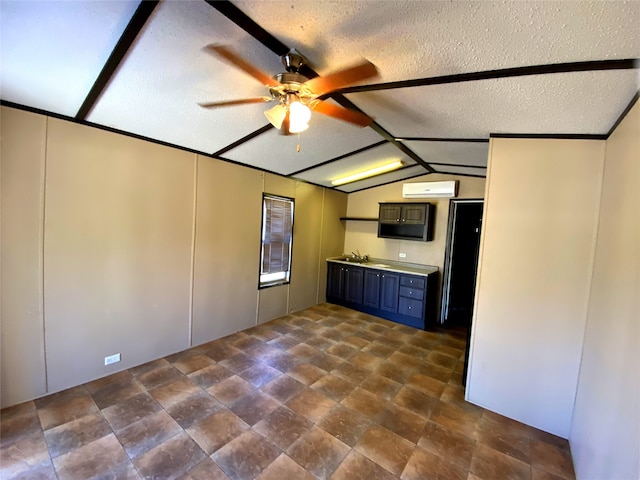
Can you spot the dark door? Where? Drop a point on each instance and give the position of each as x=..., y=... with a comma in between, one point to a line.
x=461, y=262
x=414, y=214
x=334, y=282
x=389, y=213
x=460, y=268
x=389, y=288
x=353, y=284
x=371, y=288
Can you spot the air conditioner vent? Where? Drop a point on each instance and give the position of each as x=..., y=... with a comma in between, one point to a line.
x=448, y=189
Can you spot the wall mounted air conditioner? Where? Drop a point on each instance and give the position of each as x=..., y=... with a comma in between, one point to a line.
x=446, y=189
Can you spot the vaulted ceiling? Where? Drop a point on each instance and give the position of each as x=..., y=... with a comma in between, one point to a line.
x=451, y=74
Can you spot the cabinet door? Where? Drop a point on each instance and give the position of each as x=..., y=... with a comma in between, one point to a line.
x=334, y=280
x=414, y=214
x=389, y=287
x=390, y=213
x=371, y=296
x=353, y=284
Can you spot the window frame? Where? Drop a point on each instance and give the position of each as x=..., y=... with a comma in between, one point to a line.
x=285, y=279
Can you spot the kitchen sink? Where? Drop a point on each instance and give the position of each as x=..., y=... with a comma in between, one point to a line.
x=349, y=258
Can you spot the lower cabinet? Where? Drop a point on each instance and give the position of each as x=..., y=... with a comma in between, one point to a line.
x=404, y=298
x=381, y=290
x=353, y=284
x=345, y=283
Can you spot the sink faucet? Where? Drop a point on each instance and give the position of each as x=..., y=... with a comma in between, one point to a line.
x=359, y=258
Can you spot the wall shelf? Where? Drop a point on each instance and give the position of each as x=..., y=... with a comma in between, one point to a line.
x=360, y=219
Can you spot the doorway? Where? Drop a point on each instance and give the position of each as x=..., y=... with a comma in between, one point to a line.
x=460, y=268
x=461, y=262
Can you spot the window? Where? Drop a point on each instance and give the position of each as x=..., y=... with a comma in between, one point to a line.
x=277, y=233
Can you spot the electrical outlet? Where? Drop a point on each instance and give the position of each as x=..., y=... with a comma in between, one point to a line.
x=402, y=255
x=112, y=359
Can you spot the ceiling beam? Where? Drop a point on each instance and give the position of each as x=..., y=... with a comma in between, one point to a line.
x=246, y=138
x=133, y=28
x=241, y=19
x=624, y=113
x=556, y=136
x=572, y=67
x=346, y=103
x=442, y=139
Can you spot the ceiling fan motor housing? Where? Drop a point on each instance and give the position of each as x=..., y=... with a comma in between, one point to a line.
x=293, y=60
x=291, y=82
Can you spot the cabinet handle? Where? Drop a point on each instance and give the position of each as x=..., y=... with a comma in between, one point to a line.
x=410, y=292
x=410, y=308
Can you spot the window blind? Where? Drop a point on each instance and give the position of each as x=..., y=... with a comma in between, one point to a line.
x=276, y=239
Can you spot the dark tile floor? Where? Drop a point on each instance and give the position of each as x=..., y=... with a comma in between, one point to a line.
x=323, y=393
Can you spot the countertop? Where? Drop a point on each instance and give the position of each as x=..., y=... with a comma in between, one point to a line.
x=389, y=265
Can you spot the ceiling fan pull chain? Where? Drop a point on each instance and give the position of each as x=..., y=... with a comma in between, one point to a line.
x=298, y=147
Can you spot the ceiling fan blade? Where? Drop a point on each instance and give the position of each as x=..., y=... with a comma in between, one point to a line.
x=228, y=55
x=344, y=114
x=230, y=103
x=342, y=78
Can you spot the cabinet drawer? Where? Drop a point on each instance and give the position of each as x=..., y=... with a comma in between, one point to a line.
x=410, y=307
x=415, y=282
x=411, y=292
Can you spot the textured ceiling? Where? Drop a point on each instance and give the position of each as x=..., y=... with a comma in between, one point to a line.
x=52, y=55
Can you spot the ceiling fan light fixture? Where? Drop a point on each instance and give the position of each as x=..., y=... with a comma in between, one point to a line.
x=299, y=116
x=276, y=115
x=372, y=172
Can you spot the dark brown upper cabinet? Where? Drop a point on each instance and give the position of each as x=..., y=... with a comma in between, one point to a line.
x=407, y=221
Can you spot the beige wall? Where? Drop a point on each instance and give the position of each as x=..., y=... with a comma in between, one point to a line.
x=307, y=228
x=605, y=432
x=273, y=302
x=227, y=249
x=333, y=233
x=23, y=142
x=117, y=250
x=363, y=236
x=317, y=234
x=534, y=272
x=143, y=250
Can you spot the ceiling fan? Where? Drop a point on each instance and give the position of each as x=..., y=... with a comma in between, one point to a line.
x=296, y=94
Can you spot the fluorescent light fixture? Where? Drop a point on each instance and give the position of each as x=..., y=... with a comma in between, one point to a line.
x=387, y=167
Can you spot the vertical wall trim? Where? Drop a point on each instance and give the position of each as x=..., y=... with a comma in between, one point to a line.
x=483, y=235
x=43, y=204
x=320, y=250
x=592, y=264
x=193, y=247
x=262, y=175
